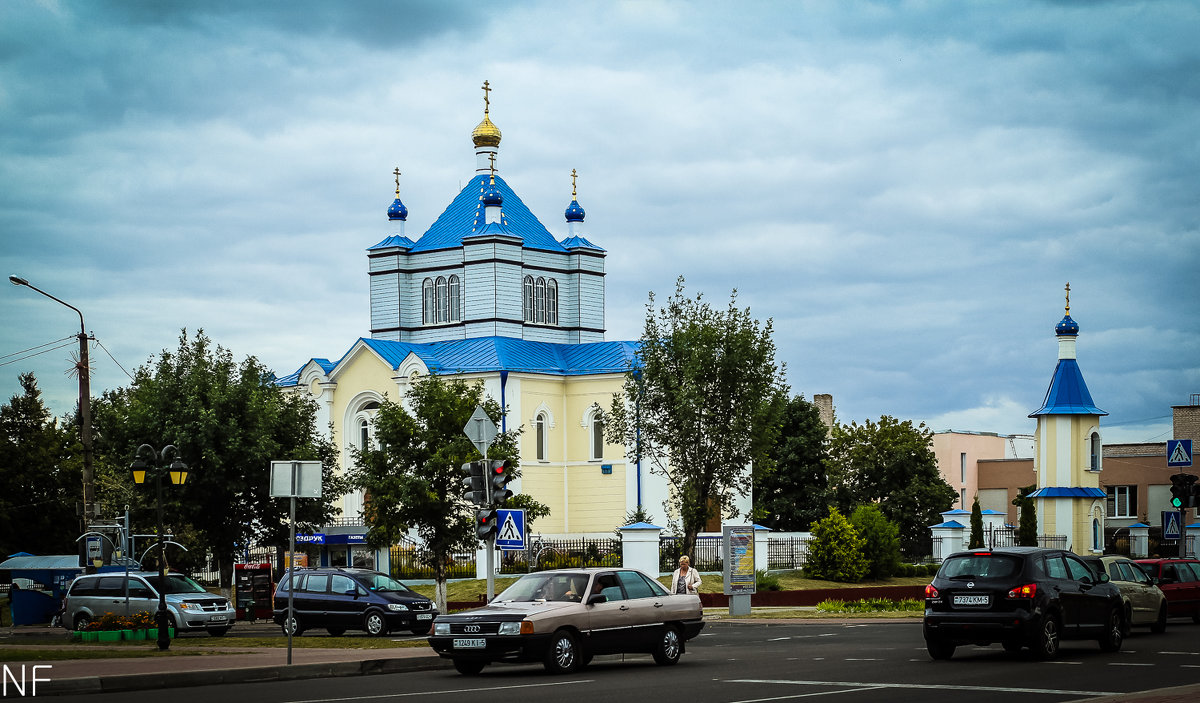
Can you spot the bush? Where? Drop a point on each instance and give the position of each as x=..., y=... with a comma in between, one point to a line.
x=881, y=540
x=869, y=605
x=764, y=581
x=836, y=551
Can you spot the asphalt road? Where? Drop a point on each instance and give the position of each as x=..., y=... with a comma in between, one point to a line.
x=752, y=663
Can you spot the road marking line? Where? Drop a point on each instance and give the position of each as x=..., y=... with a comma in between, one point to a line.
x=931, y=687
x=439, y=693
x=1192, y=654
x=1190, y=666
x=851, y=659
x=1129, y=664
x=1062, y=662
x=808, y=695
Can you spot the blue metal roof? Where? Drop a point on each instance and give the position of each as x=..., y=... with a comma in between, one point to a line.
x=484, y=354
x=950, y=524
x=1055, y=492
x=464, y=215
x=578, y=242
x=393, y=241
x=1068, y=394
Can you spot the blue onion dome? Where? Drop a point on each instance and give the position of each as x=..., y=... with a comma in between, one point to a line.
x=1066, y=327
x=397, y=211
x=574, y=212
x=491, y=195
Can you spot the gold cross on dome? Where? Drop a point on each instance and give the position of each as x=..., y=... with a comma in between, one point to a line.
x=397, y=173
x=486, y=102
x=572, y=184
x=1068, y=298
x=492, y=165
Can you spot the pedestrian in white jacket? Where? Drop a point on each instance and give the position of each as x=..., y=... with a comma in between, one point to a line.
x=685, y=579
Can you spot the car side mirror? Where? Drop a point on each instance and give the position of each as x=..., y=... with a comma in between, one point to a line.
x=1104, y=578
x=597, y=599
x=1153, y=580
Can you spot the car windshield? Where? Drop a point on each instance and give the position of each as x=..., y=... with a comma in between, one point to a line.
x=384, y=584
x=546, y=586
x=979, y=566
x=177, y=583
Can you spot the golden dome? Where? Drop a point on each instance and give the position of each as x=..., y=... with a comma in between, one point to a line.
x=486, y=133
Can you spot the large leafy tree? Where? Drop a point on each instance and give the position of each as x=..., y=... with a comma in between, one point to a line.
x=228, y=420
x=412, y=475
x=41, y=486
x=702, y=404
x=891, y=463
x=792, y=492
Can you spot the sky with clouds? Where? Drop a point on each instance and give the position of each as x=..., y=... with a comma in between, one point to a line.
x=903, y=187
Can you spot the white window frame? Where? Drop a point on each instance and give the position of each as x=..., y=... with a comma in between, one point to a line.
x=428, y=302
x=527, y=299
x=551, y=301
x=1122, y=496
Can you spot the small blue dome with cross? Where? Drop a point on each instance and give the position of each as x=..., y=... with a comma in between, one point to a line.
x=491, y=195
x=574, y=212
x=1066, y=327
x=397, y=211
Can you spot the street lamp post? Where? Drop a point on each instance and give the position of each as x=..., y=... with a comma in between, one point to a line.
x=155, y=462
x=85, y=404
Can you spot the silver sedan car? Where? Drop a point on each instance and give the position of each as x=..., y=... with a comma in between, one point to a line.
x=563, y=618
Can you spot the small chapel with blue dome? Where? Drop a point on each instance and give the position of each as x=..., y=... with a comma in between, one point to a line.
x=1068, y=451
x=490, y=293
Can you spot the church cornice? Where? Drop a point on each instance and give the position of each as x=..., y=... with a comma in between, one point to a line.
x=384, y=255
x=451, y=325
x=459, y=266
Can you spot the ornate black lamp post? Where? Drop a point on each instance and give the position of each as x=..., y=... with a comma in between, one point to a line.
x=155, y=463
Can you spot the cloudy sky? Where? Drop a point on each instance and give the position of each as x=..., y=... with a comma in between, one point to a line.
x=903, y=187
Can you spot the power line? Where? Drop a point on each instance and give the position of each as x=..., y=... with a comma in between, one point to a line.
x=37, y=347
x=30, y=356
x=114, y=359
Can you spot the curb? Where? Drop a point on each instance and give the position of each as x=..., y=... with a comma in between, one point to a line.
x=257, y=674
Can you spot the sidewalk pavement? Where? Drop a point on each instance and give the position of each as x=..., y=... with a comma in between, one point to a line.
x=257, y=664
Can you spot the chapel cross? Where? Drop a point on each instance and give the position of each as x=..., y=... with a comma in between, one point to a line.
x=1068, y=298
x=492, y=165
x=397, y=172
x=486, y=102
x=572, y=184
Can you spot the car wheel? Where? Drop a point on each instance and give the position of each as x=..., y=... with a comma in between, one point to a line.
x=1011, y=646
x=562, y=657
x=218, y=631
x=82, y=621
x=669, y=647
x=1114, y=630
x=374, y=624
x=293, y=624
x=336, y=631
x=469, y=667
x=939, y=649
x=1160, y=625
x=1045, y=643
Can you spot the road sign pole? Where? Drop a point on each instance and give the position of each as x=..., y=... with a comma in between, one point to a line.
x=481, y=431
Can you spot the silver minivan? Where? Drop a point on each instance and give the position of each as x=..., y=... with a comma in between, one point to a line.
x=189, y=606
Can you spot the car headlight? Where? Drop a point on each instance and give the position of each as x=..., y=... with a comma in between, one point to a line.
x=185, y=606
x=509, y=628
x=441, y=628
x=397, y=606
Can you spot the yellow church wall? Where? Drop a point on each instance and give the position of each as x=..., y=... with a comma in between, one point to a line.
x=365, y=371
x=545, y=483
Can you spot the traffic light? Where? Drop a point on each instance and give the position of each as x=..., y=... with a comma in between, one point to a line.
x=1183, y=490
x=485, y=523
x=500, y=472
x=476, y=492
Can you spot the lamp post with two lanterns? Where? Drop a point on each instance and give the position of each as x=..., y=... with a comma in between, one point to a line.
x=148, y=461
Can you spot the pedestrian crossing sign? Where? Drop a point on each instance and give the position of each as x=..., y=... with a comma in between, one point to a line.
x=511, y=535
x=1179, y=452
x=1171, y=522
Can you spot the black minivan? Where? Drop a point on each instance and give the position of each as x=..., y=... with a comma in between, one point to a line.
x=1020, y=597
x=351, y=599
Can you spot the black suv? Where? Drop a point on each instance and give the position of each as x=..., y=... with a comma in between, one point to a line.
x=1020, y=597
x=351, y=599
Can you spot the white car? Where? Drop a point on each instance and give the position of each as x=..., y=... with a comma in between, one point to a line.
x=189, y=606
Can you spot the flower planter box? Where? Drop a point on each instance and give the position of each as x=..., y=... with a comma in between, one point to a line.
x=129, y=635
x=89, y=636
x=109, y=636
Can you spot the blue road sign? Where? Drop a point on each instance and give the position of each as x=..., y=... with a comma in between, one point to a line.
x=1179, y=452
x=511, y=534
x=1172, y=521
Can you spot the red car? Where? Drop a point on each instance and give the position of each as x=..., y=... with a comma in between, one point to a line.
x=1179, y=579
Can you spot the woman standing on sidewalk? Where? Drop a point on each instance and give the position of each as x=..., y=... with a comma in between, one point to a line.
x=685, y=579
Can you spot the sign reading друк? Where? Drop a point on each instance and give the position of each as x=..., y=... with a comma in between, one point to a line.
x=738, y=542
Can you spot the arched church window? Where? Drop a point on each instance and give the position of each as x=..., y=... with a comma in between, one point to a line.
x=540, y=427
x=527, y=299
x=539, y=300
x=551, y=301
x=443, y=301
x=597, y=429
x=453, y=288
x=428, y=302
x=364, y=434
x=1096, y=451
x=1097, y=536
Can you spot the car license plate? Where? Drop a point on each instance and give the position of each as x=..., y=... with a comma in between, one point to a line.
x=218, y=618
x=425, y=616
x=475, y=643
x=971, y=600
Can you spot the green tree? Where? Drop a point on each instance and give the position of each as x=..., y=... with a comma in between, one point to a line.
x=1027, y=524
x=413, y=474
x=891, y=463
x=976, y=525
x=229, y=421
x=37, y=505
x=792, y=490
x=881, y=540
x=835, y=552
x=702, y=405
